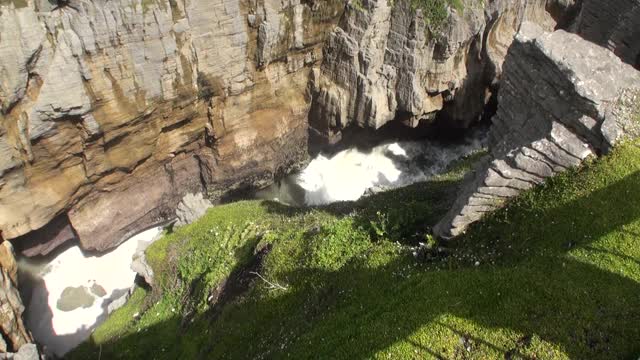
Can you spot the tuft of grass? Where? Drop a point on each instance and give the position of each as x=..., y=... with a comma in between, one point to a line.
x=553, y=275
x=435, y=12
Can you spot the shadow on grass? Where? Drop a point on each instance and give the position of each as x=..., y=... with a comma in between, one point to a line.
x=408, y=211
x=538, y=289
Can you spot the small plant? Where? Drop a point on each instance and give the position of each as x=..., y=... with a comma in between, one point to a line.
x=381, y=225
x=430, y=241
x=357, y=4
x=436, y=12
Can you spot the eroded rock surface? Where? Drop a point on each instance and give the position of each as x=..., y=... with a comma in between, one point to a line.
x=614, y=24
x=112, y=111
x=13, y=334
x=562, y=99
x=386, y=62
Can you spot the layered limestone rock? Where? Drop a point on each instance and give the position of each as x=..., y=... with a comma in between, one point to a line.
x=614, y=24
x=562, y=99
x=387, y=60
x=13, y=334
x=112, y=111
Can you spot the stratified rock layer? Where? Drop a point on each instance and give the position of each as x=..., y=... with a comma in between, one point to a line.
x=562, y=99
x=13, y=334
x=112, y=111
x=386, y=62
x=614, y=24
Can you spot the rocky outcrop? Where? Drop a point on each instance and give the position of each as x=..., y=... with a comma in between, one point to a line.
x=388, y=60
x=13, y=334
x=191, y=208
x=26, y=352
x=562, y=99
x=112, y=111
x=139, y=262
x=614, y=24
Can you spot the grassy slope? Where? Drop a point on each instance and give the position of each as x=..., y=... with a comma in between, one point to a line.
x=556, y=274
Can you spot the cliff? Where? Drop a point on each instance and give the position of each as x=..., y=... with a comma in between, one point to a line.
x=112, y=111
x=398, y=61
x=562, y=99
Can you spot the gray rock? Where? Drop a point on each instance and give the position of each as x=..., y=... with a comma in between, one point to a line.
x=385, y=59
x=562, y=99
x=27, y=352
x=614, y=24
x=139, y=261
x=119, y=300
x=191, y=208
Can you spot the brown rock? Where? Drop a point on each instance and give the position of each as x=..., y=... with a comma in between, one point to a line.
x=112, y=113
x=12, y=330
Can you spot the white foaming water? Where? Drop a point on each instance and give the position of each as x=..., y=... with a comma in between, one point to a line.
x=350, y=174
x=60, y=331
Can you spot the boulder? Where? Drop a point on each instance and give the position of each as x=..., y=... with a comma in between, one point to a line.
x=139, y=261
x=191, y=208
x=26, y=352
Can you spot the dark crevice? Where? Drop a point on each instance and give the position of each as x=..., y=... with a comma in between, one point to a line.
x=176, y=125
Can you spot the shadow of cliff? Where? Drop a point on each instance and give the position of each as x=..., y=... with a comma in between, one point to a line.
x=411, y=210
x=38, y=316
x=547, y=293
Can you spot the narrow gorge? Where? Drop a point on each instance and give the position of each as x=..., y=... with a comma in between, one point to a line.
x=119, y=117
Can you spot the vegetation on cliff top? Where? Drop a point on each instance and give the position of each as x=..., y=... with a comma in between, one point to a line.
x=435, y=11
x=556, y=274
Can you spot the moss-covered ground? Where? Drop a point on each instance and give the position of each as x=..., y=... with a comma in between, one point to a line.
x=554, y=275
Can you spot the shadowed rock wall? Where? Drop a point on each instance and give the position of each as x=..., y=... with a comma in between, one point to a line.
x=562, y=99
x=614, y=24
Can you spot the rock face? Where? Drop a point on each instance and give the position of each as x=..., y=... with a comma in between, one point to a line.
x=387, y=61
x=13, y=334
x=562, y=99
x=614, y=24
x=112, y=111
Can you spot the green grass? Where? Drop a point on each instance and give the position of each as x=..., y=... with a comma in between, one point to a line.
x=554, y=275
x=435, y=11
